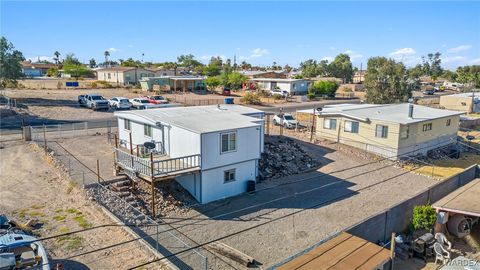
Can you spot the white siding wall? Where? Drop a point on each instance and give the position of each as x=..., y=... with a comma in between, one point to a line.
x=248, y=148
x=183, y=142
x=285, y=86
x=191, y=183
x=138, y=136
x=214, y=188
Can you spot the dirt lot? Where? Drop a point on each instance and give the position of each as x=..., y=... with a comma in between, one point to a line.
x=62, y=104
x=329, y=200
x=32, y=188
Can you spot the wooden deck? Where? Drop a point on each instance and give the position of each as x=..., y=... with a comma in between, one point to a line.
x=156, y=167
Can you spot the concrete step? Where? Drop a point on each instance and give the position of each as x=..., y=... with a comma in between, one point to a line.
x=123, y=194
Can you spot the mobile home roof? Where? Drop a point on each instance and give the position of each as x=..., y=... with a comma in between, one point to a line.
x=198, y=119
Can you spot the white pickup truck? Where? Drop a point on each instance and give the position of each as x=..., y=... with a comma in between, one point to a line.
x=93, y=101
x=286, y=120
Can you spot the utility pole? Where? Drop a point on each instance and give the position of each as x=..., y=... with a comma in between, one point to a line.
x=473, y=100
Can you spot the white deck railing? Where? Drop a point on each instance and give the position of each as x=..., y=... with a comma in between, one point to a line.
x=160, y=167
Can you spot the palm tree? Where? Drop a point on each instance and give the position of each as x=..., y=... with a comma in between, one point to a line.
x=106, y=54
x=57, y=57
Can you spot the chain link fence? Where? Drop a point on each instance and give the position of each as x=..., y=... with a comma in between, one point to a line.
x=160, y=237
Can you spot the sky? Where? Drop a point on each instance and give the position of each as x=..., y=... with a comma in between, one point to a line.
x=257, y=32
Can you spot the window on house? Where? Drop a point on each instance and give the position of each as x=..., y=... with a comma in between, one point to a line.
x=351, y=126
x=405, y=132
x=330, y=123
x=449, y=121
x=147, y=130
x=229, y=176
x=229, y=142
x=427, y=127
x=127, y=124
x=381, y=131
x=109, y=76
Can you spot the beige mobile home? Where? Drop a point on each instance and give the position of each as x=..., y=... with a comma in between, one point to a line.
x=388, y=130
x=123, y=75
x=464, y=102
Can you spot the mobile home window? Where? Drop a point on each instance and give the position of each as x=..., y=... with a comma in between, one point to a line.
x=449, y=121
x=229, y=176
x=381, y=131
x=351, y=126
x=127, y=124
x=405, y=132
x=147, y=130
x=330, y=123
x=229, y=142
x=427, y=127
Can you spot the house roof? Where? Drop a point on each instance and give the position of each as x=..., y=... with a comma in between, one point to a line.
x=277, y=80
x=464, y=95
x=463, y=200
x=122, y=69
x=199, y=119
x=28, y=64
x=345, y=251
x=396, y=113
x=260, y=72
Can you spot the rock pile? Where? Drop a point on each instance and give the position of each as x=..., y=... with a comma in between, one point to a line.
x=283, y=157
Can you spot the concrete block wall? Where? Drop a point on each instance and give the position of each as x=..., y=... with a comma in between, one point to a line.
x=396, y=219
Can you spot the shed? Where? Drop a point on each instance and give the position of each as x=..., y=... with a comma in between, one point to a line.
x=464, y=200
x=344, y=251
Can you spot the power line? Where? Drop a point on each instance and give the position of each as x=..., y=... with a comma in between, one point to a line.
x=246, y=208
x=269, y=221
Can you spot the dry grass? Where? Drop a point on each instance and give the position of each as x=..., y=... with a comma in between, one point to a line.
x=446, y=168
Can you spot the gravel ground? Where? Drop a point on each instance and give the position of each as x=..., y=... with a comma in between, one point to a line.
x=328, y=203
x=364, y=191
x=33, y=188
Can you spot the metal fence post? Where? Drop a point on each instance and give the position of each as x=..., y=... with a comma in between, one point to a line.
x=45, y=138
x=156, y=242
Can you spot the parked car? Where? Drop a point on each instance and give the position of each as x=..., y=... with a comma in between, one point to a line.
x=429, y=92
x=287, y=120
x=226, y=91
x=283, y=93
x=157, y=99
x=93, y=101
x=140, y=103
x=120, y=103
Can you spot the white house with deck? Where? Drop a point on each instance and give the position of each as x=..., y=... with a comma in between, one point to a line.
x=212, y=151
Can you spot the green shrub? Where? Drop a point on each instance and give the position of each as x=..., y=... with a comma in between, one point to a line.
x=277, y=96
x=262, y=93
x=251, y=98
x=311, y=96
x=93, y=85
x=424, y=216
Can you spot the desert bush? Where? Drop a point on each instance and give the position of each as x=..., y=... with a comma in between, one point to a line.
x=251, y=98
x=311, y=96
x=424, y=216
x=93, y=85
x=277, y=96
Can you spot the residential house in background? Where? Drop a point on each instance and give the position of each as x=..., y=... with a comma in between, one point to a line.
x=464, y=102
x=212, y=151
x=359, y=76
x=292, y=86
x=251, y=74
x=390, y=130
x=175, y=83
x=124, y=75
x=31, y=70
